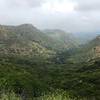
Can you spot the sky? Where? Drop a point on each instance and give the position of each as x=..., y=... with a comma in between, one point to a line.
x=76, y=16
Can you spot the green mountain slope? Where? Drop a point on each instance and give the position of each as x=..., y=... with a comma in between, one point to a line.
x=65, y=39
x=23, y=40
x=88, y=51
x=31, y=66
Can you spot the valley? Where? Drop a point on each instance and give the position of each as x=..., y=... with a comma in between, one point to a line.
x=38, y=64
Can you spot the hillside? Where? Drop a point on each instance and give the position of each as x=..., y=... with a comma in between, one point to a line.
x=86, y=52
x=93, y=47
x=32, y=67
x=23, y=40
x=65, y=39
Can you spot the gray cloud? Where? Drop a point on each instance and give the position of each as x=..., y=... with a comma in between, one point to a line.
x=88, y=5
x=84, y=17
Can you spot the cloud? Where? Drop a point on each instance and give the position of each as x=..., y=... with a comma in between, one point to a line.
x=70, y=15
x=88, y=5
x=21, y=3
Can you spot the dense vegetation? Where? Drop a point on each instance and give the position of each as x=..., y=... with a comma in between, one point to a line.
x=29, y=78
x=30, y=69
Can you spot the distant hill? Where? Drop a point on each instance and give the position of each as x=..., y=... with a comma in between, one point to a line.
x=94, y=45
x=26, y=39
x=88, y=51
x=86, y=37
x=62, y=37
x=23, y=40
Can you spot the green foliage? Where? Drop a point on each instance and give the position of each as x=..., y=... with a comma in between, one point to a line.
x=59, y=95
x=30, y=67
x=9, y=96
x=29, y=78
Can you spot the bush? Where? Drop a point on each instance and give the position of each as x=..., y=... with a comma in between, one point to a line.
x=9, y=96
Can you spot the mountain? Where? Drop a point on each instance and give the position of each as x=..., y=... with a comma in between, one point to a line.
x=24, y=65
x=30, y=66
x=88, y=51
x=94, y=45
x=26, y=39
x=86, y=37
x=65, y=39
x=23, y=40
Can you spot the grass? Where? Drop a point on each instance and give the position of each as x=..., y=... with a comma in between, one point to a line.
x=59, y=95
x=9, y=96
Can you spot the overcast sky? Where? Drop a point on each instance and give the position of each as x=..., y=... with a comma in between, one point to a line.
x=70, y=15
